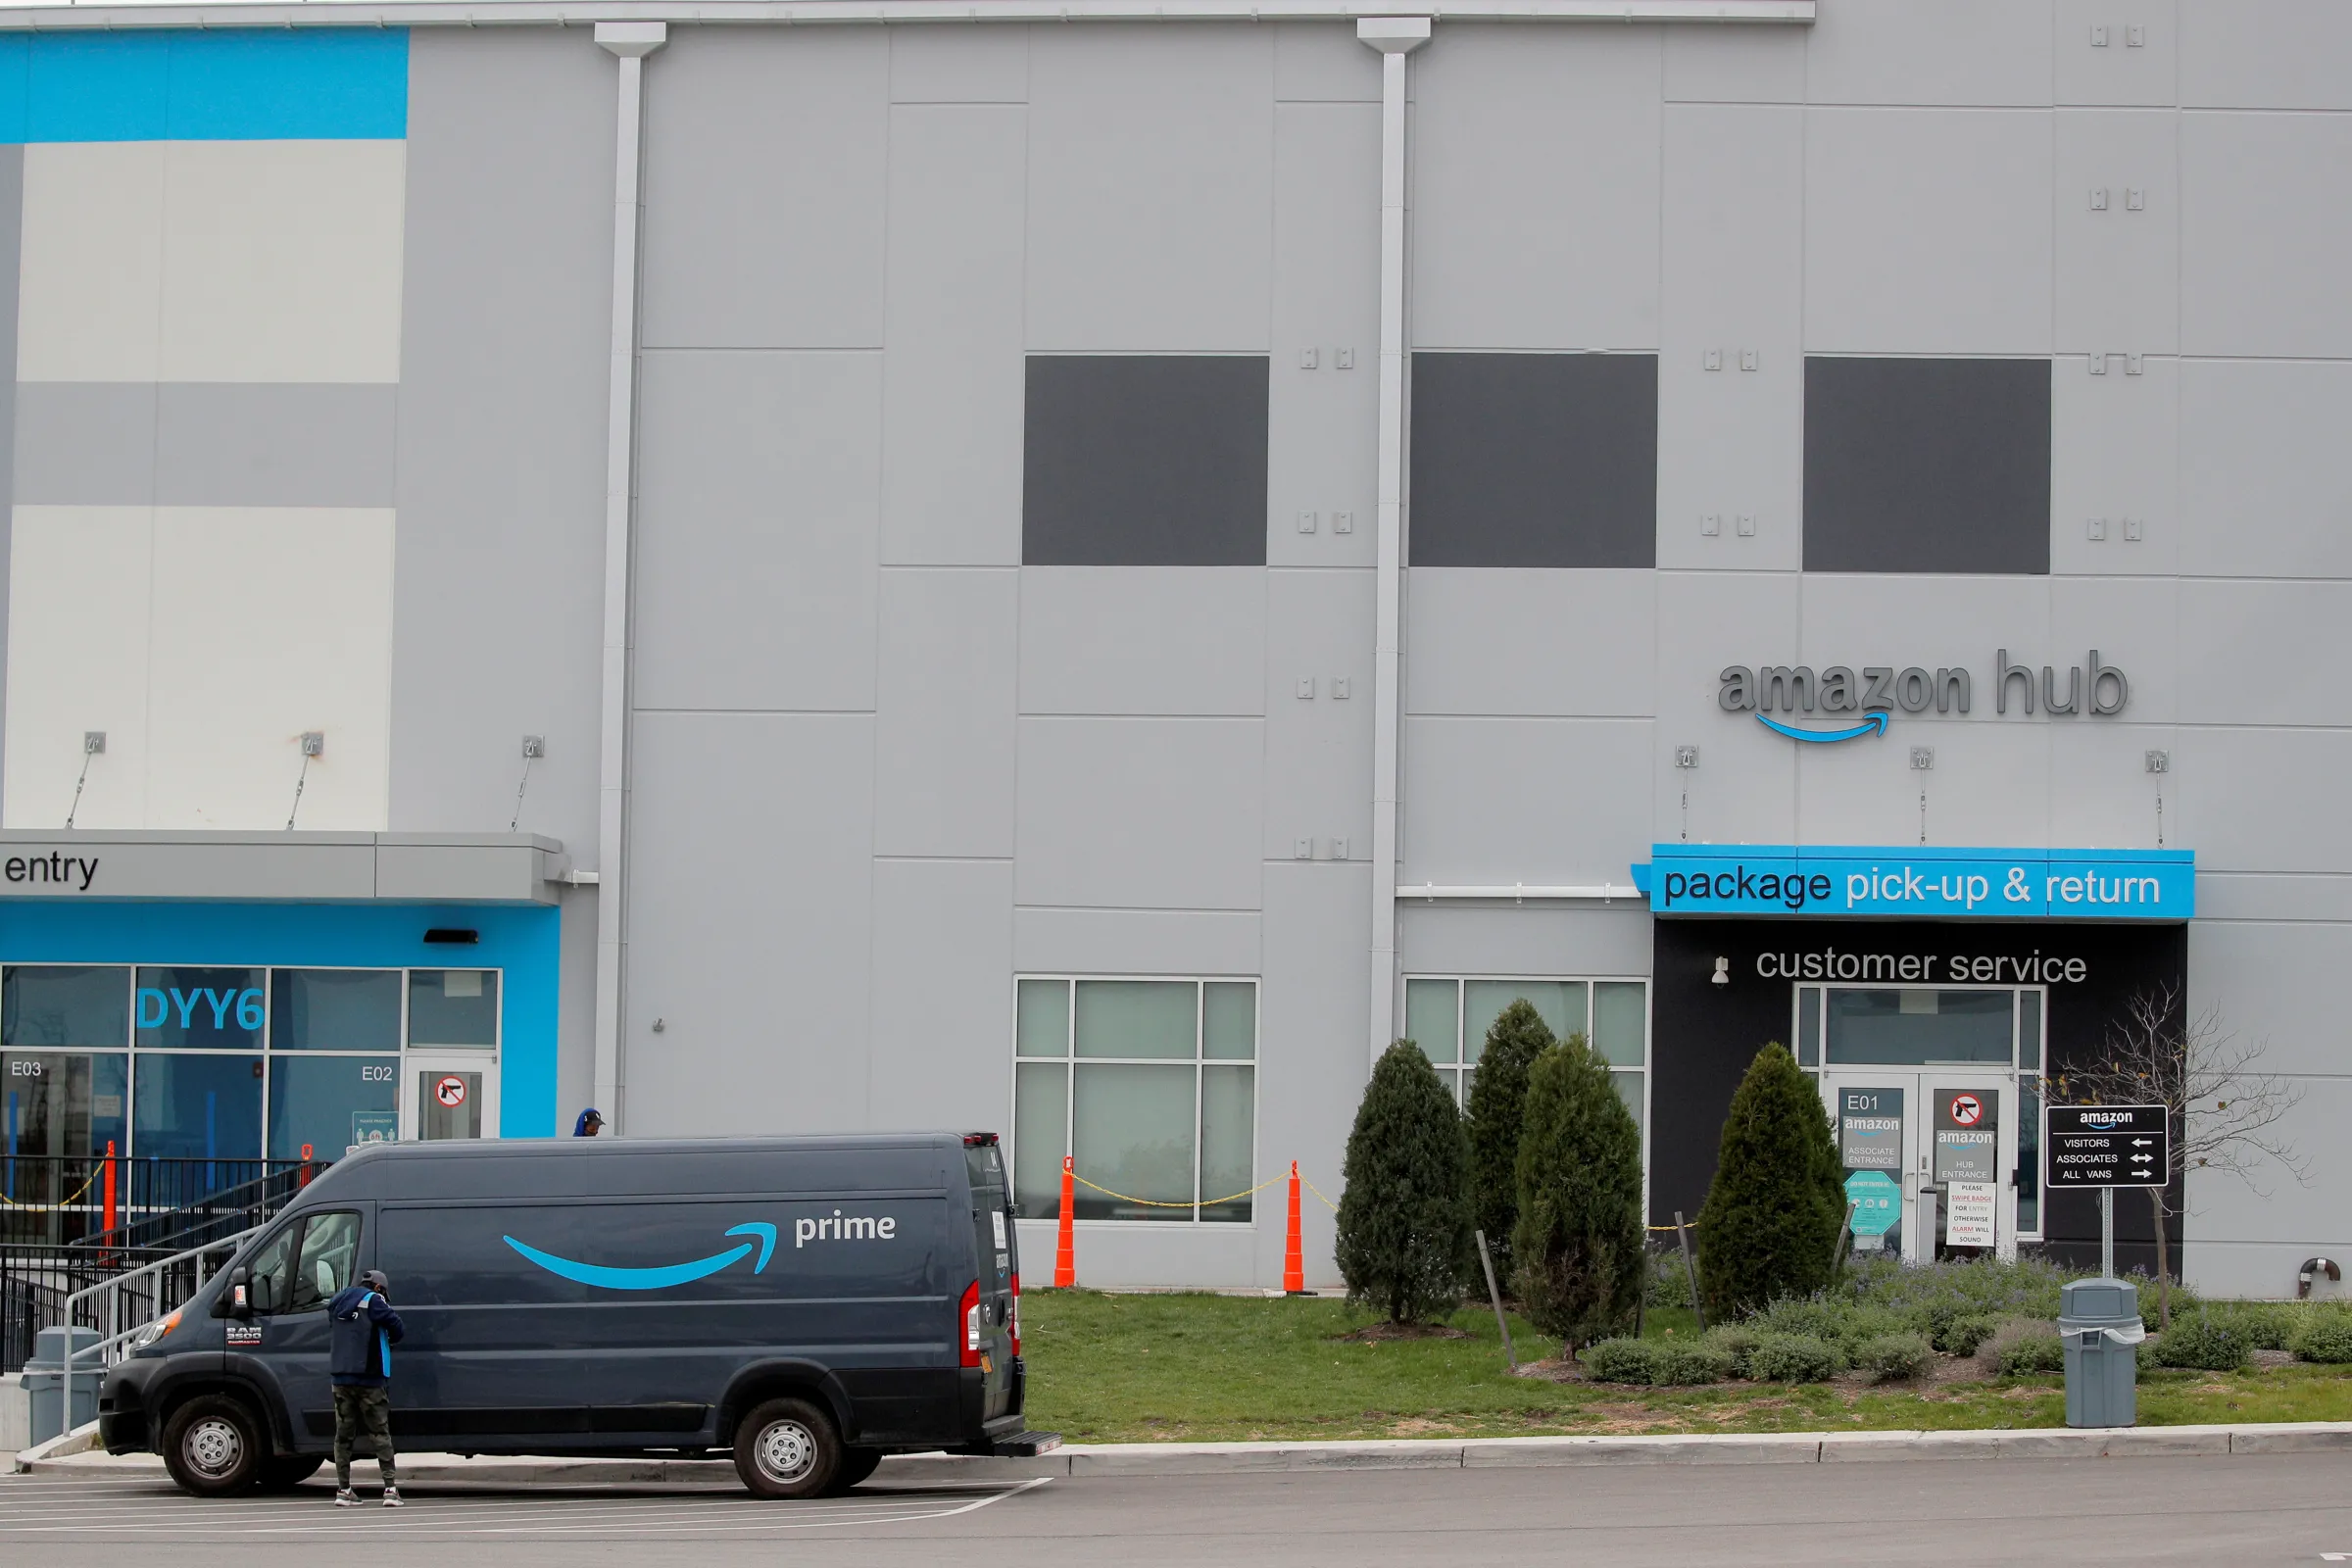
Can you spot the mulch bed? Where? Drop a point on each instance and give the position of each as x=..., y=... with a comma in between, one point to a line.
x=1379, y=1332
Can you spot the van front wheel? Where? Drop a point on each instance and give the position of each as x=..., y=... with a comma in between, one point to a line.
x=787, y=1449
x=213, y=1447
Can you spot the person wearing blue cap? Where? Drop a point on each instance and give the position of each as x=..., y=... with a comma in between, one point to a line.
x=590, y=1123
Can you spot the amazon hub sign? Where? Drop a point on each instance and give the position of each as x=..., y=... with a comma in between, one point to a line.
x=2094, y=687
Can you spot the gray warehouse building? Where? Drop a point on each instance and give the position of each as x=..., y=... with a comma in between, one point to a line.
x=1077, y=567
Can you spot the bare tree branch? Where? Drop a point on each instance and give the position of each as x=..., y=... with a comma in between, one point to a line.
x=2225, y=1112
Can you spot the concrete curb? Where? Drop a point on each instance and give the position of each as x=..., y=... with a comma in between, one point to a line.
x=81, y=1440
x=1134, y=1459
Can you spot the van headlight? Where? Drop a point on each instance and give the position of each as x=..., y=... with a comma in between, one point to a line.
x=153, y=1333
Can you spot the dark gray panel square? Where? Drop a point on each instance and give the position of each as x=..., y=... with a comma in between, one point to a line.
x=1145, y=460
x=1534, y=460
x=1928, y=465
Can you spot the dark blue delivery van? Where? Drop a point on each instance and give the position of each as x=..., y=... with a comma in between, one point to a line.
x=807, y=1303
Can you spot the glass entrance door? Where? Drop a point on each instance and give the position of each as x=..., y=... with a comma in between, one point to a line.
x=1928, y=1093
x=454, y=1096
x=1928, y=1157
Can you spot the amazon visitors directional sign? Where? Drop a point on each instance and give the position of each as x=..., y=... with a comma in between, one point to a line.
x=2090, y=1147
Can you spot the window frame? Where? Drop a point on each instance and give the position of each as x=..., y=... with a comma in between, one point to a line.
x=1069, y=1062
x=267, y=1048
x=1462, y=1070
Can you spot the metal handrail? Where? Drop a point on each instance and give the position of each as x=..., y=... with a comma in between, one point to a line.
x=112, y=1297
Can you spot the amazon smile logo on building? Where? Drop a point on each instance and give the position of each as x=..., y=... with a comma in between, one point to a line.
x=1877, y=691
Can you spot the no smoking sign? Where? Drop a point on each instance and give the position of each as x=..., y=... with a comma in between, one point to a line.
x=451, y=1092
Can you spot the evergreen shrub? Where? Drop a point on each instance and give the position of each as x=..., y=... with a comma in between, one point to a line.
x=1581, y=1262
x=1404, y=1241
x=1965, y=1336
x=1737, y=1342
x=2204, y=1343
x=1778, y=1200
x=2020, y=1349
x=1684, y=1363
x=1497, y=1106
x=1621, y=1360
x=1795, y=1358
x=2325, y=1338
x=1895, y=1357
x=1669, y=1276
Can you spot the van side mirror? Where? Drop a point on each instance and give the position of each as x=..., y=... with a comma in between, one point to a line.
x=240, y=1293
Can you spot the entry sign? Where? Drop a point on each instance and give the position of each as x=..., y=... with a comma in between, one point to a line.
x=1968, y=1213
x=2090, y=1147
x=451, y=1091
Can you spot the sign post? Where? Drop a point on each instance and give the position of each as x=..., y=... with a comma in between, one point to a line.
x=2102, y=1148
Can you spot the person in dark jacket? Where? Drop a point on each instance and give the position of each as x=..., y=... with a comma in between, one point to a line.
x=591, y=1123
x=365, y=1328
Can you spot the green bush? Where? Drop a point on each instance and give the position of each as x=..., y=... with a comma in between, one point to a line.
x=1931, y=1295
x=1737, y=1342
x=2035, y=1351
x=1669, y=1277
x=1498, y=1105
x=1895, y=1357
x=1964, y=1336
x=1581, y=1261
x=2326, y=1338
x=1776, y=1204
x=2205, y=1343
x=1620, y=1360
x=1404, y=1217
x=1683, y=1362
x=2267, y=1325
x=1795, y=1358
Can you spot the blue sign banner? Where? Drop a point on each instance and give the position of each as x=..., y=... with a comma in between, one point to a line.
x=1921, y=881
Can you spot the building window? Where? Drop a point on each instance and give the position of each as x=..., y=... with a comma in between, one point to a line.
x=1149, y=1085
x=214, y=1064
x=1448, y=1017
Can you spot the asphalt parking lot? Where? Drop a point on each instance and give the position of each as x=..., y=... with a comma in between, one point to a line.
x=2253, y=1509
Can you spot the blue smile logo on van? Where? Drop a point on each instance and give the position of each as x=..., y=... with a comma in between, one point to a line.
x=662, y=1275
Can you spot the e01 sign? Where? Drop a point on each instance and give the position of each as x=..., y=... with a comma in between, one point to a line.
x=2084, y=1147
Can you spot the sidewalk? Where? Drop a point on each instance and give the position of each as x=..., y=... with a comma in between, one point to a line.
x=1453, y=1453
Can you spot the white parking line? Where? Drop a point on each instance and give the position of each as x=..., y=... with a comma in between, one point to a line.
x=442, y=1514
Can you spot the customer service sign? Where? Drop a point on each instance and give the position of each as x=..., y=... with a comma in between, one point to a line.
x=1919, y=881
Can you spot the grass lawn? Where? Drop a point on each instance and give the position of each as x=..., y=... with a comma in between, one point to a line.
x=1208, y=1368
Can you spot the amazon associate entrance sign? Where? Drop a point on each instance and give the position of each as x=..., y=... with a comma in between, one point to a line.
x=1931, y=882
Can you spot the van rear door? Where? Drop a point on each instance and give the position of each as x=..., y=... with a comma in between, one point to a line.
x=993, y=1245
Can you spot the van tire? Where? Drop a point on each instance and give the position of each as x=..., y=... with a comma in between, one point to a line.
x=285, y=1471
x=214, y=1447
x=787, y=1449
x=856, y=1465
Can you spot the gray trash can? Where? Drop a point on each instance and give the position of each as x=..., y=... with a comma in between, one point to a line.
x=2098, y=1323
x=44, y=1379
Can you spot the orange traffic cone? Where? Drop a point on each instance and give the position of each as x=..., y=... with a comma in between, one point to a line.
x=1065, y=1249
x=1294, y=1254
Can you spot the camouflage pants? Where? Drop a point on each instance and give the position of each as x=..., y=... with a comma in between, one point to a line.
x=358, y=1410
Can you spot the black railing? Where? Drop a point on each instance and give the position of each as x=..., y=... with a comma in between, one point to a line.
x=35, y=1282
x=64, y=1199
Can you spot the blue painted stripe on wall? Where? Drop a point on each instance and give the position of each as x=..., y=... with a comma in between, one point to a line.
x=219, y=85
x=524, y=942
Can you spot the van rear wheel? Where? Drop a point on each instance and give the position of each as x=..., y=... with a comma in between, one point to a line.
x=787, y=1449
x=214, y=1447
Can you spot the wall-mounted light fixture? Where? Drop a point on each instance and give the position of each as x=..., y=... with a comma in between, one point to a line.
x=1723, y=971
